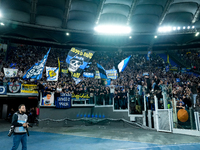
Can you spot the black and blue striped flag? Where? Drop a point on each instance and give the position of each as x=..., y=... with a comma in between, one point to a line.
x=102, y=72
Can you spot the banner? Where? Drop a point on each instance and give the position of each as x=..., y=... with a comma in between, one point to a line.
x=35, y=72
x=28, y=88
x=80, y=97
x=52, y=73
x=77, y=60
x=111, y=74
x=3, y=90
x=64, y=101
x=88, y=75
x=13, y=87
x=10, y=73
x=47, y=100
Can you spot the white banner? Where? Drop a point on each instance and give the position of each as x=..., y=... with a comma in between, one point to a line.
x=52, y=73
x=10, y=73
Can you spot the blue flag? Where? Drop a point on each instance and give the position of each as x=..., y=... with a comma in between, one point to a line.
x=102, y=72
x=167, y=68
x=35, y=72
x=122, y=65
x=148, y=55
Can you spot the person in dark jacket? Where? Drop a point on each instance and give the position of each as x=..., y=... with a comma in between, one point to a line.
x=19, y=121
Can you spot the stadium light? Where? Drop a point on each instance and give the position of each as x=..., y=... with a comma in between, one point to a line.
x=112, y=29
x=130, y=37
x=188, y=27
x=184, y=27
x=193, y=27
x=2, y=24
x=0, y=14
x=155, y=36
x=67, y=34
x=174, y=28
x=197, y=34
x=179, y=28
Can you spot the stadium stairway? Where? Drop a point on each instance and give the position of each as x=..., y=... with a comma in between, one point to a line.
x=164, y=57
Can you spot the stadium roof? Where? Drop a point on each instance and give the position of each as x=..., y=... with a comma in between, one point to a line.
x=48, y=21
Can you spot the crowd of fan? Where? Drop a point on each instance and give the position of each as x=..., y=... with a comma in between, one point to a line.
x=185, y=90
x=192, y=57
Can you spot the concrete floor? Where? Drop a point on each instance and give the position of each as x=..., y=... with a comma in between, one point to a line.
x=99, y=137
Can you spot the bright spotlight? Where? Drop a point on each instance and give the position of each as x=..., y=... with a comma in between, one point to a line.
x=179, y=28
x=188, y=27
x=197, y=34
x=0, y=14
x=174, y=28
x=160, y=29
x=192, y=27
x=112, y=29
x=184, y=27
x=155, y=36
x=130, y=37
x=67, y=34
x=2, y=24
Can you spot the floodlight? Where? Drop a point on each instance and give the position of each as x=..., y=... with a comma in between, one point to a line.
x=174, y=28
x=179, y=28
x=188, y=27
x=112, y=29
x=0, y=14
x=2, y=24
x=184, y=27
x=130, y=37
x=67, y=34
x=160, y=29
x=197, y=34
x=155, y=36
x=192, y=27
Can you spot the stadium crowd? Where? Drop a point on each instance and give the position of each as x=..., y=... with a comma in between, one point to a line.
x=141, y=76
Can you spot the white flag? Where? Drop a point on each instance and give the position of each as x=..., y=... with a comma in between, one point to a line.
x=10, y=73
x=52, y=73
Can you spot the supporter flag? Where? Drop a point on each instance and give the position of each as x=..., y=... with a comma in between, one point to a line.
x=77, y=80
x=88, y=75
x=77, y=60
x=168, y=59
x=59, y=64
x=13, y=87
x=10, y=73
x=52, y=73
x=148, y=55
x=122, y=65
x=35, y=72
x=102, y=72
x=167, y=68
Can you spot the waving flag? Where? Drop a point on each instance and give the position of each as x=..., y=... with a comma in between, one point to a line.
x=52, y=73
x=59, y=64
x=35, y=72
x=102, y=72
x=122, y=65
x=77, y=60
